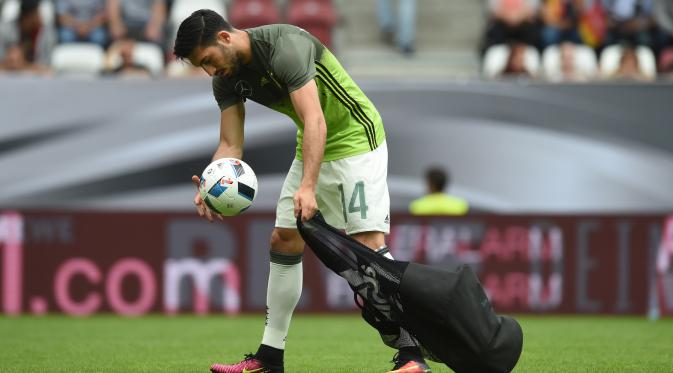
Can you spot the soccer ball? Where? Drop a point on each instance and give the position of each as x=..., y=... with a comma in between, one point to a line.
x=228, y=186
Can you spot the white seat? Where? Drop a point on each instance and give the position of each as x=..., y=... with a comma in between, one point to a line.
x=10, y=9
x=48, y=12
x=81, y=59
x=495, y=60
x=612, y=55
x=177, y=69
x=585, y=61
x=150, y=56
x=183, y=69
x=182, y=9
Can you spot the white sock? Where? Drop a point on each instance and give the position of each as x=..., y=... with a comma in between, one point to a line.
x=282, y=295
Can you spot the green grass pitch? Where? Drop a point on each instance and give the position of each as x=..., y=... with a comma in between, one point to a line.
x=316, y=343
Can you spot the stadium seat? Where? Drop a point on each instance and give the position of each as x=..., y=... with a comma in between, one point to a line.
x=586, y=62
x=252, y=13
x=183, y=69
x=611, y=56
x=9, y=11
x=495, y=60
x=315, y=16
x=148, y=55
x=182, y=9
x=48, y=12
x=78, y=59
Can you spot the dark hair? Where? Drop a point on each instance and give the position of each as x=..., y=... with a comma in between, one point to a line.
x=199, y=29
x=437, y=179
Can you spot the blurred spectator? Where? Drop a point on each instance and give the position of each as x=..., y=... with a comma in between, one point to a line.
x=33, y=39
x=568, y=68
x=629, y=66
x=666, y=64
x=560, y=21
x=15, y=61
x=119, y=61
x=630, y=21
x=437, y=202
x=403, y=31
x=512, y=20
x=663, y=13
x=574, y=68
x=81, y=20
x=593, y=23
x=569, y=62
x=140, y=20
x=516, y=62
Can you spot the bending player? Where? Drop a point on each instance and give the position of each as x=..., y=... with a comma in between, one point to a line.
x=341, y=159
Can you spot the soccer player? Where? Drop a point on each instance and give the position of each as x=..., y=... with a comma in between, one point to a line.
x=341, y=160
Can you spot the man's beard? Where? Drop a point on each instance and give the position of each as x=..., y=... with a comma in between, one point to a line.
x=235, y=59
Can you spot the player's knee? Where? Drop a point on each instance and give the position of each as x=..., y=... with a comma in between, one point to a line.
x=372, y=240
x=286, y=241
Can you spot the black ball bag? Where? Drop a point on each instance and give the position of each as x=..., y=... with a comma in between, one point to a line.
x=447, y=311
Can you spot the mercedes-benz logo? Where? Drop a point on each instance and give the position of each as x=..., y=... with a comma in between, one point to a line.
x=243, y=88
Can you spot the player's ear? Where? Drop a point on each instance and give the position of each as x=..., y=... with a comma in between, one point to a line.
x=224, y=36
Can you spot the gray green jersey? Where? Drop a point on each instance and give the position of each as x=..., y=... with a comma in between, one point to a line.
x=284, y=59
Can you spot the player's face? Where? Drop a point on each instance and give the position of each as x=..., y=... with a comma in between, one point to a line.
x=219, y=59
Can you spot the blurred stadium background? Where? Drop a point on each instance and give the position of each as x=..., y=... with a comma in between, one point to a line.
x=553, y=118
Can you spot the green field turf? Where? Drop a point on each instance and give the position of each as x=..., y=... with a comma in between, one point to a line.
x=315, y=344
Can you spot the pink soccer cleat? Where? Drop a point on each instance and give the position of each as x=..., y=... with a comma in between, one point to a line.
x=407, y=365
x=249, y=365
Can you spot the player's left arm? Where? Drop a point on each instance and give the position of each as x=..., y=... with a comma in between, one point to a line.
x=293, y=61
x=307, y=106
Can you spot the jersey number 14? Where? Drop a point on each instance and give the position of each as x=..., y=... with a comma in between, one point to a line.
x=357, y=202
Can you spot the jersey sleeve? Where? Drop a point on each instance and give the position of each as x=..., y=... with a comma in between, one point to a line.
x=224, y=94
x=293, y=61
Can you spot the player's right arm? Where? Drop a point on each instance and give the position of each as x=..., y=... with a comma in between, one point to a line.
x=231, y=132
x=230, y=146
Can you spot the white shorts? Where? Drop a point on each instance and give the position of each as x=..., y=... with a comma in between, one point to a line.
x=352, y=193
